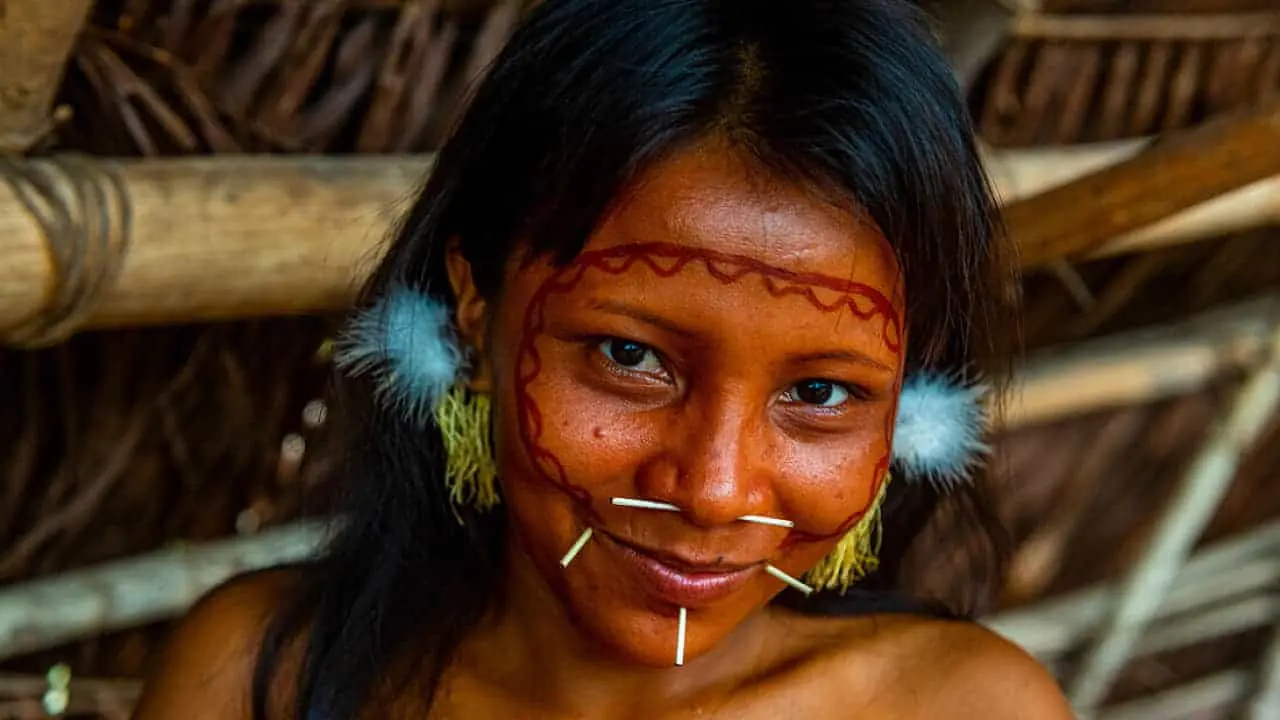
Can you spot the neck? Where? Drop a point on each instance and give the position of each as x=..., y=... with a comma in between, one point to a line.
x=529, y=646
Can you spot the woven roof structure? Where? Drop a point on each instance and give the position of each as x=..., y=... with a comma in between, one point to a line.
x=1139, y=472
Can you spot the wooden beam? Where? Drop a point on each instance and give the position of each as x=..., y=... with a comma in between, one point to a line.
x=1170, y=174
x=36, y=38
x=224, y=237
x=1245, y=565
x=1195, y=498
x=1212, y=696
x=1143, y=365
x=1170, y=26
x=1178, y=171
x=50, y=611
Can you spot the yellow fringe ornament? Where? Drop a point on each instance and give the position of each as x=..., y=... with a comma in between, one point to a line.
x=857, y=552
x=470, y=472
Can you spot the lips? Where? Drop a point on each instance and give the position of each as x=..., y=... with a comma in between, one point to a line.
x=678, y=581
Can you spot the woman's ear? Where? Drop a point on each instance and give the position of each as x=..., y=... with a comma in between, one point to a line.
x=470, y=317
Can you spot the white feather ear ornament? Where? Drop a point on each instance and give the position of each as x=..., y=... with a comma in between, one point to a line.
x=938, y=434
x=405, y=341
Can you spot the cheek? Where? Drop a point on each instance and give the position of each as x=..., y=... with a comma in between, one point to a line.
x=825, y=485
x=556, y=430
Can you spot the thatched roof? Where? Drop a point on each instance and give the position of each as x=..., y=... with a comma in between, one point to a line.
x=121, y=442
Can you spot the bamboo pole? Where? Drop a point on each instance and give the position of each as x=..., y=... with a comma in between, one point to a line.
x=1021, y=174
x=217, y=238
x=1177, y=171
x=1206, y=697
x=1192, y=506
x=231, y=237
x=36, y=38
x=1169, y=26
x=1141, y=366
x=1236, y=567
x=48, y=612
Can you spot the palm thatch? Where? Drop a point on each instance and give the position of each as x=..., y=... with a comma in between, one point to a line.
x=119, y=443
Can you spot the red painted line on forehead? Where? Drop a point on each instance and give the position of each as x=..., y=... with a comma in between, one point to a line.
x=668, y=260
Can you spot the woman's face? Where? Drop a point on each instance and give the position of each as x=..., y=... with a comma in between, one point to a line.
x=725, y=343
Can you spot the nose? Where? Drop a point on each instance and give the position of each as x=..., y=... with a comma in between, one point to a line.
x=713, y=466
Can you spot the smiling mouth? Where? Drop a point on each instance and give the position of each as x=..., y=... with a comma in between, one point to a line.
x=678, y=581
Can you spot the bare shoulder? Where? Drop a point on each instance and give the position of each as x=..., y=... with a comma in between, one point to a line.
x=206, y=668
x=936, y=668
x=981, y=674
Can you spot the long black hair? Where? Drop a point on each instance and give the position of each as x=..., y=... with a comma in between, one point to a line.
x=850, y=97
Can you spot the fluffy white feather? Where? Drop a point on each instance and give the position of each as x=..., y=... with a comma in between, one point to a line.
x=939, y=429
x=406, y=342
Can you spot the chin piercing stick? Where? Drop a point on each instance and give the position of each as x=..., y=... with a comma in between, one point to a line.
x=807, y=590
x=684, y=623
x=577, y=548
x=644, y=504
x=766, y=520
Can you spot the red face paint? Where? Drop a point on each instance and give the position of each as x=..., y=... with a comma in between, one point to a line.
x=743, y=288
x=665, y=260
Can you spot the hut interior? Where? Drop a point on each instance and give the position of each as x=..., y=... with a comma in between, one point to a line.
x=193, y=187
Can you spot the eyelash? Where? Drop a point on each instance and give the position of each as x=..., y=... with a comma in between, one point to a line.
x=605, y=347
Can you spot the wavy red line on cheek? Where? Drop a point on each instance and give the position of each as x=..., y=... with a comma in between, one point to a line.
x=667, y=260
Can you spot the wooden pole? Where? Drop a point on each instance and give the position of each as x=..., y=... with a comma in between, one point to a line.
x=50, y=611
x=1201, y=489
x=1141, y=366
x=36, y=38
x=217, y=238
x=242, y=236
x=1176, y=172
x=1240, y=566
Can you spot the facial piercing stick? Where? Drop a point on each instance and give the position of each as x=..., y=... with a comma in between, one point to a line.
x=807, y=590
x=644, y=504
x=684, y=622
x=766, y=520
x=577, y=547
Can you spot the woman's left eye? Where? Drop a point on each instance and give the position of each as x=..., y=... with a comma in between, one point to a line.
x=631, y=355
x=821, y=393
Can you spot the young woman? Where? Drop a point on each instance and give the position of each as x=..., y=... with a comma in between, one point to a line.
x=677, y=321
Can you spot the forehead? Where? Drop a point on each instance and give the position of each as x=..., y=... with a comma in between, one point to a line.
x=708, y=198
x=720, y=249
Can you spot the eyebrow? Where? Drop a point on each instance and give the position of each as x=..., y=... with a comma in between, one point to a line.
x=635, y=313
x=846, y=356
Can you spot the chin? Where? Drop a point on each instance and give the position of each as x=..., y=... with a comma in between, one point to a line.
x=636, y=637
x=628, y=631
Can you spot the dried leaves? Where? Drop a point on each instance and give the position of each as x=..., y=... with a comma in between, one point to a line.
x=1049, y=87
x=194, y=76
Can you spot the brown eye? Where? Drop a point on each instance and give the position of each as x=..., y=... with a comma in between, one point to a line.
x=822, y=393
x=631, y=355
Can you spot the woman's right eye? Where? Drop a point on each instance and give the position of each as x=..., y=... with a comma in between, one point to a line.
x=631, y=355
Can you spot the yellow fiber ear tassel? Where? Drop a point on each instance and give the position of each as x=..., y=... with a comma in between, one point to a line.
x=856, y=553
x=470, y=472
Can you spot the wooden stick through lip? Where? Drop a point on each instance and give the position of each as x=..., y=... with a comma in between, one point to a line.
x=680, y=631
x=577, y=548
x=784, y=577
x=766, y=520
